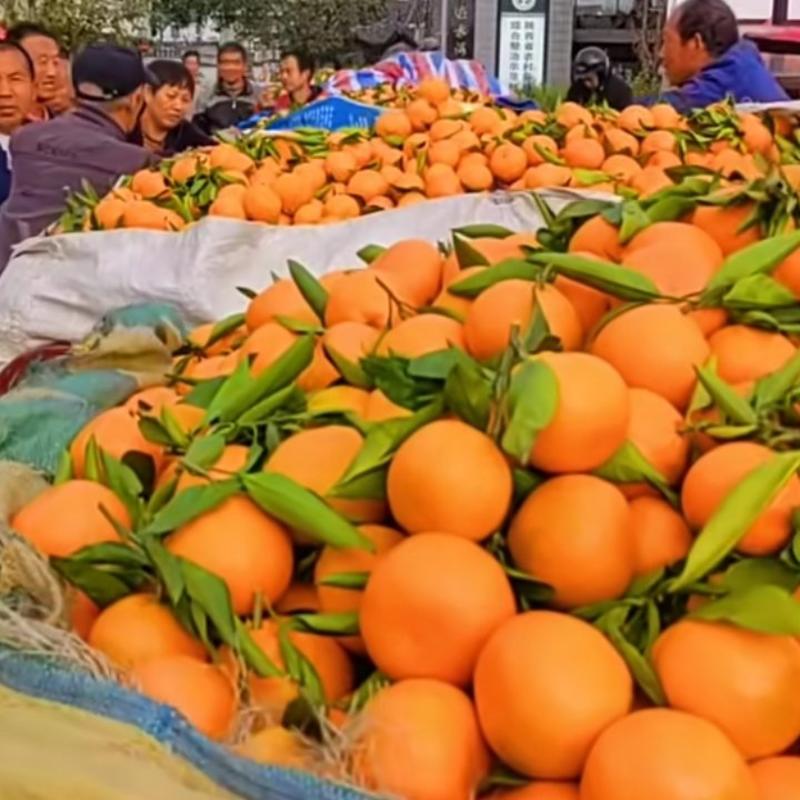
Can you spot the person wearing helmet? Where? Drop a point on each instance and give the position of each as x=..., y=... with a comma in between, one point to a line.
x=593, y=82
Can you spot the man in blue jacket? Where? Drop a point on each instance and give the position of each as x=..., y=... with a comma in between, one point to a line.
x=706, y=61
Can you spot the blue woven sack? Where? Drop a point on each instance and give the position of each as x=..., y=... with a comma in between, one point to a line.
x=330, y=114
x=41, y=678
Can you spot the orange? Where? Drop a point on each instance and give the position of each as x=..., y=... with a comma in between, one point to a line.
x=622, y=142
x=753, y=700
x=654, y=347
x=655, y=429
x=452, y=302
x=201, y=692
x=282, y=298
x=777, y=778
x=83, y=612
x=341, y=166
x=724, y=225
x=318, y=458
x=659, y=141
x=67, y=517
x=484, y=120
x=573, y=533
x=200, y=336
x=714, y=475
x=365, y=296
x=443, y=129
x=109, y=212
x=546, y=685
x=242, y=545
x=380, y=408
x=115, y=431
x=339, y=399
x=227, y=157
x=434, y=90
x=590, y=304
x=421, y=741
x=598, y=237
x=571, y=114
x=299, y=597
x=262, y=204
x=541, y=790
x=444, y=151
x=232, y=460
x=422, y=334
x=294, y=191
x=421, y=114
x=788, y=273
x=393, y=124
x=441, y=181
x=467, y=494
x=747, y=354
x=367, y=184
x=621, y=167
x=661, y=536
x=534, y=145
x=186, y=167
x=277, y=746
x=149, y=184
x=756, y=135
x=138, y=628
x=475, y=177
x=309, y=214
x=675, y=269
x=334, y=561
x=664, y=159
x=270, y=341
x=584, y=154
x=144, y=214
x=635, y=118
x=410, y=199
x=430, y=605
x=350, y=341
x=509, y=303
x=680, y=234
x=327, y=656
x=591, y=417
x=545, y=176
x=665, y=116
x=508, y=162
x=204, y=369
x=661, y=754
x=341, y=206
x=651, y=180
x=415, y=267
x=229, y=202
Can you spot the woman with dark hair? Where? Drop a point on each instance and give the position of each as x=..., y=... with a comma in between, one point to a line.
x=163, y=128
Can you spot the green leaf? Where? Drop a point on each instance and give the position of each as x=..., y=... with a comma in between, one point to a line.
x=290, y=397
x=603, y=275
x=634, y=220
x=393, y=377
x=341, y=624
x=242, y=391
x=759, y=571
x=538, y=337
x=628, y=465
x=203, y=393
x=466, y=254
x=299, y=668
x=525, y=482
x=483, y=231
x=162, y=495
x=93, y=462
x=191, y=503
x=205, y=451
x=168, y=568
x=761, y=257
x=372, y=686
x=346, y=580
x=370, y=252
x=772, y=389
x=351, y=371
x=102, y=587
x=254, y=656
x=765, y=608
x=382, y=441
x=314, y=293
x=224, y=327
x=303, y=510
x=124, y=482
x=590, y=177
x=510, y=269
x=174, y=429
x=64, y=469
x=107, y=553
x=735, y=408
x=734, y=517
x=670, y=208
x=468, y=394
x=367, y=486
x=298, y=326
x=758, y=292
x=211, y=593
x=532, y=403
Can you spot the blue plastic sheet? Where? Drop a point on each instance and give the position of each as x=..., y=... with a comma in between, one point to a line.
x=46, y=680
x=330, y=114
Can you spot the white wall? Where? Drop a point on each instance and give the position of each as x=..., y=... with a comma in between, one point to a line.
x=752, y=9
x=794, y=10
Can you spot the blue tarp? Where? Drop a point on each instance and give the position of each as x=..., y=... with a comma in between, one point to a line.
x=330, y=114
x=46, y=680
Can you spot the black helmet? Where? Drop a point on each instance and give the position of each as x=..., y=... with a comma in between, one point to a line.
x=591, y=61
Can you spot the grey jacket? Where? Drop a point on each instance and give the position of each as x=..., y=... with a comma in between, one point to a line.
x=52, y=159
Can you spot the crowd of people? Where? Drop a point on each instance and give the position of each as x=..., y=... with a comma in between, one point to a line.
x=67, y=122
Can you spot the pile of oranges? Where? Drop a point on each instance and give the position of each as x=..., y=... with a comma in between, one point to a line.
x=497, y=521
x=434, y=146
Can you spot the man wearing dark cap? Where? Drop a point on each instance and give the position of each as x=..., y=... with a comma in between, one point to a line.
x=593, y=82
x=52, y=159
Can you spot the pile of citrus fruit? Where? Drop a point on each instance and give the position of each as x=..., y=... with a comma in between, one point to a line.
x=436, y=146
x=512, y=518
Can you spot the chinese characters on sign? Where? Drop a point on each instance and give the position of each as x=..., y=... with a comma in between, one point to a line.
x=461, y=28
x=523, y=35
